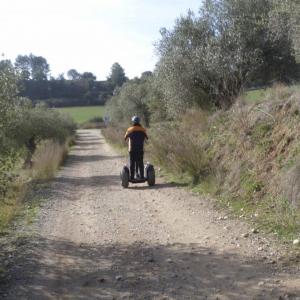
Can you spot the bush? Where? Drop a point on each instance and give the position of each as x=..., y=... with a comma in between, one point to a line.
x=140, y=96
x=115, y=135
x=180, y=149
x=23, y=127
x=23, y=130
x=7, y=174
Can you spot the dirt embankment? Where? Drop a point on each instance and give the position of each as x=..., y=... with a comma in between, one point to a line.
x=95, y=240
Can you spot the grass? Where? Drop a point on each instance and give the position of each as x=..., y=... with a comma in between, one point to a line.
x=46, y=161
x=254, y=96
x=258, y=95
x=11, y=206
x=83, y=114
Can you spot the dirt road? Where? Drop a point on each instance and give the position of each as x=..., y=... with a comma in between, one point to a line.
x=95, y=240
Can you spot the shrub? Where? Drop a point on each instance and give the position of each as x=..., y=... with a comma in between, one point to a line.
x=23, y=127
x=115, y=135
x=36, y=124
x=180, y=149
x=140, y=96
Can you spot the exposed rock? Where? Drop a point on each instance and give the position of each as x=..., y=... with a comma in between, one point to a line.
x=261, y=283
x=296, y=242
x=223, y=218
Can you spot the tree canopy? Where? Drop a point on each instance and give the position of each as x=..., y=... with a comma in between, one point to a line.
x=35, y=83
x=32, y=67
x=117, y=76
x=207, y=58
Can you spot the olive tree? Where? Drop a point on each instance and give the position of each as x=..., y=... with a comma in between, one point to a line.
x=206, y=59
x=130, y=100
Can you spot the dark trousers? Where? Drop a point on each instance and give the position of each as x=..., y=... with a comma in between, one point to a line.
x=136, y=163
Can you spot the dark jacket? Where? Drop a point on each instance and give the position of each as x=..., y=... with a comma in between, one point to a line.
x=136, y=135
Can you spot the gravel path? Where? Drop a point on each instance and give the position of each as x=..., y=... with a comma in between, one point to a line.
x=95, y=240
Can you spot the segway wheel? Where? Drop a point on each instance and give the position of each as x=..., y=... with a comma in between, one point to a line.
x=125, y=177
x=150, y=175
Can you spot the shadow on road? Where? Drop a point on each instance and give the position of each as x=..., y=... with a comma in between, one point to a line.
x=89, y=138
x=89, y=143
x=60, y=269
x=75, y=159
x=62, y=187
x=92, y=181
x=156, y=186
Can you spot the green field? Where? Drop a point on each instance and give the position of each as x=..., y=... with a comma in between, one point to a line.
x=83, y=114
x=276, y=91
x=255, y=95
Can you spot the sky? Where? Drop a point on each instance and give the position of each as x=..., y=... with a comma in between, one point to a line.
x=88, y=35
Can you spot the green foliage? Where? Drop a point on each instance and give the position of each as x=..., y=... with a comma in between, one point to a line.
x=62, y=92
x=117, y=76
x=32, y=67
x=41, y=123
x=8, y=90
x=88, y=76
x=285, y=24
x=73, y=74
x=260, y=130
x=280, y=217
x=23, y=65
x=23, y=127
x=136, y=97
x=249, y=185
x=254, y=96
x=80, y=89
x=7, y=163
x=207, y=59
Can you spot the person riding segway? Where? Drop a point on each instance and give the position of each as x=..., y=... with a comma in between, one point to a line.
x=136, y=136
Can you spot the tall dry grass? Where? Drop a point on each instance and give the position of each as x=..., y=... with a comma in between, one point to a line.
x=47, y=159
x=280, y=91
x=182, y=147
x=115, y=135
x=45, y=162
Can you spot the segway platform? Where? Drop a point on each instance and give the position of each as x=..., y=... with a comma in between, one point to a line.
x=149, y=176
x=137, y=180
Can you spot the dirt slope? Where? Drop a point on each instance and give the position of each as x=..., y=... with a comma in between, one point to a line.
x=95, y=240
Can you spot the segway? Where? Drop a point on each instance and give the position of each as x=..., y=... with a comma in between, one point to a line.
x=149, y=176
